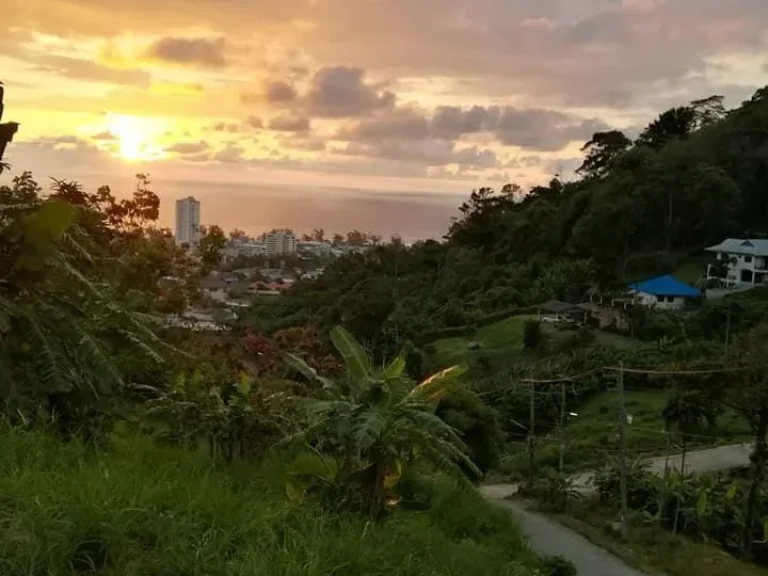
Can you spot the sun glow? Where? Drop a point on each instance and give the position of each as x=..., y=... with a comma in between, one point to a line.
x=136, y=138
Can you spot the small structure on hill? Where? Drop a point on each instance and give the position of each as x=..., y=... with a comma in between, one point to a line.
x=663, y=293
x=555, y=311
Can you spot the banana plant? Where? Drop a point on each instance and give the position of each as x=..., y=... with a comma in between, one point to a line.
x=375, y=422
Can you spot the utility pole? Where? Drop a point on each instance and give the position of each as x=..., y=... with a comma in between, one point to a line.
x=562, y=426
x=531, y=437
x=623, y=452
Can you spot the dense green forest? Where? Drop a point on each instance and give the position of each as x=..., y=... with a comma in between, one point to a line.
x=696, y=174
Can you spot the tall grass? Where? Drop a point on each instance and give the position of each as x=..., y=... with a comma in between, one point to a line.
x=143, y=510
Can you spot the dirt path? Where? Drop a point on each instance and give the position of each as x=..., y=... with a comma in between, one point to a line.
x=551, y=538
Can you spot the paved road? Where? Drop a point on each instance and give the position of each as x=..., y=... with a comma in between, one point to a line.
x=551, y=538
x=699, y=461
x=548, y=537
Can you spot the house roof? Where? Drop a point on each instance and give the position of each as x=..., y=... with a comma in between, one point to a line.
x=750, y=247
x=213, y=284
x=666, y=286
x=555, y=306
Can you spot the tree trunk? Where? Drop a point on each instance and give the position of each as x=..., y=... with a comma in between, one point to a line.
x=377, y=490
x=665, y=481
x=759, y=457
x=682, y=481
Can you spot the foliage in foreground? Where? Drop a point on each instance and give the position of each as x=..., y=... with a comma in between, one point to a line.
x=142, y=510
x=652, y=550
x=706, y=508
x=370, y=426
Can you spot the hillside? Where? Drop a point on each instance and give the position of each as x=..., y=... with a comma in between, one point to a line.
x=500, y=344
x=638, y=209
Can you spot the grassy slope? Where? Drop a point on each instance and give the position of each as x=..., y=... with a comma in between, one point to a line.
x=505, y=339
x=592, y=436
x=141, y=510
x=505, y=336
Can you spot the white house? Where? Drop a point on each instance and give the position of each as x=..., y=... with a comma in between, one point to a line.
x=663, y=293
x=743, y=262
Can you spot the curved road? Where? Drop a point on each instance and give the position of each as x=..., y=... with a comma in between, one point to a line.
x=551, y=538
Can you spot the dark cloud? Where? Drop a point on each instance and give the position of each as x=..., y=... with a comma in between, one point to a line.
x=544, y=130
x=580, y=52
x=255, y=122
x=426, y=152
x=403, y=124
x=534, y=129
x=451, y=121
x=231, y=127
x=231, y=154
x=208, y=52
x=188, y=148
x=106, y=135
x=342, y=92
x=86, y=70
x=279, y=92
x=59, y=142
x=57, y=157
x=289, y=124
x=298, y=142
x=526, y=162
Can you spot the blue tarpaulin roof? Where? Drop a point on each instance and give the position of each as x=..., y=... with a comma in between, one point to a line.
x=666, y=286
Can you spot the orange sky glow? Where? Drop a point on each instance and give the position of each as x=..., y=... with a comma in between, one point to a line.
x=434, y=96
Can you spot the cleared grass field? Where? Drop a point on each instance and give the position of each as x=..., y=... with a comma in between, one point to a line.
x=504, y=337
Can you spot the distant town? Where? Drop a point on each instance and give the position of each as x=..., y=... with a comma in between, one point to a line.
x=251, y=266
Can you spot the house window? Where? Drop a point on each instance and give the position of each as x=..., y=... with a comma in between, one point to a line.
x=747, y=259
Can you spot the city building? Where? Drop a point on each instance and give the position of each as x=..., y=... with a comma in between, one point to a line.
x=246, y=248
x=187, y=221
x=740, y=262
x=280, y=242
x=663, y=293
x=316, y=248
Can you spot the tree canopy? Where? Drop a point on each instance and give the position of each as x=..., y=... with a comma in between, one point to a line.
x=695, y=175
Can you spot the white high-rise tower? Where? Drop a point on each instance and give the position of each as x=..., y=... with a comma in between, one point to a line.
x=187, y=221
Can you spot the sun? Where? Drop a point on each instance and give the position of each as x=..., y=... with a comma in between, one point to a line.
x=135, y=137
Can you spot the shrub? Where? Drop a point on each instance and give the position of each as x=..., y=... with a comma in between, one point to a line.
x=555, y=491
x=642, y=486
x=556, y=566
x=532, y=335
x=476, y=422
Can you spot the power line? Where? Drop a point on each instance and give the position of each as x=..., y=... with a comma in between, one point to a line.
x=655, y=372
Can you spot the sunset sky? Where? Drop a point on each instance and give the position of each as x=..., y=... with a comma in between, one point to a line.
x=435, y=96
